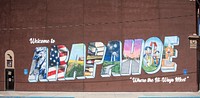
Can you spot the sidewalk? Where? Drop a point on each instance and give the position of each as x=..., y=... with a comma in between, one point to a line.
x=32, y=94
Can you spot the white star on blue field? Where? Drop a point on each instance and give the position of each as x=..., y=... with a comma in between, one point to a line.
x=112, y=51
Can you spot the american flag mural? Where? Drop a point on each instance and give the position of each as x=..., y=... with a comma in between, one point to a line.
x=39, y=65
x=53, y=63
x=58, y=61
x=63, y=56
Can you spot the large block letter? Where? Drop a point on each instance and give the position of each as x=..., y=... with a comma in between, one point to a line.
x=63, y=57
x=54, y=62
x=152, y=55
x=58, y=61
x=96, y=52
x=132, y=57
x=112, y=59
x=39, y=65
x=169, y=53
x=76, y=63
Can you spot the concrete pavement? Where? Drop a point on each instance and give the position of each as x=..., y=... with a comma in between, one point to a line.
x=39, y=94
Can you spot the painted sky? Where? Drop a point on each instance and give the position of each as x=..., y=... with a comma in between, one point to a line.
x=113, y=46
x=136, y=45
x=78, y=50
x=172, y=40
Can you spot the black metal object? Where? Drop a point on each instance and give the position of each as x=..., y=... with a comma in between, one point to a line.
x=9, y=79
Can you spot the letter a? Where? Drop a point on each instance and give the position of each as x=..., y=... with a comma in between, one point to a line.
x=76, y=63
x=39, y=65
x=112, y=59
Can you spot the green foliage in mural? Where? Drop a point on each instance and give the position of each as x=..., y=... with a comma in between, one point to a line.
x=75, y=66
x=115, y=68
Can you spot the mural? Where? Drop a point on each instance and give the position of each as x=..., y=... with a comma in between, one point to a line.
x=96, y=52
x=39, y=65
x=150, y=55
x=169, y=53
x=63, y=55
x=58, y=61
x=111, y=63
x=76, y=64
x=53, y=64
x=132, y=58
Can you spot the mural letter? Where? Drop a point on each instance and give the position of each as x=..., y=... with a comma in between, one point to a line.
x=76, y=64
x=152, y=55
x=53, y=63
x=63, y=55
x=169, y=53
x=39, y=65
x=112, y=59
x=132, y=58
x=96, y=52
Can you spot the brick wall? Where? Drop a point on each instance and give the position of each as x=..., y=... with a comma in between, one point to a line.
x=83, y=21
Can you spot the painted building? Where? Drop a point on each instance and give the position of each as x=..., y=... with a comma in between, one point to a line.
x=98, y=45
